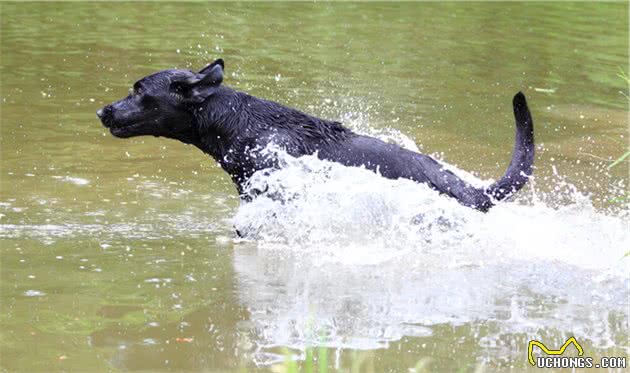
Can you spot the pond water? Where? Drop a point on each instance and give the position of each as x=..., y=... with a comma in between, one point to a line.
x=120, y=255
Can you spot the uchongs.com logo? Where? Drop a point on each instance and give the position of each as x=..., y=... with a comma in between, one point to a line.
x=555, y=358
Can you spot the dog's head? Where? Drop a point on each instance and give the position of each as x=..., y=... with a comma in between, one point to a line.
x=162, y=104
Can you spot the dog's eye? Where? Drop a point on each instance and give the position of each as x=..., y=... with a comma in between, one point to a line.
x=136, y=90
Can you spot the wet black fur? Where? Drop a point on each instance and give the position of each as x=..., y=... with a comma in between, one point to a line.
x=233, y=127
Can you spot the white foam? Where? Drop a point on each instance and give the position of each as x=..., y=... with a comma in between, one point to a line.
x=73, y=180
x=312, y=204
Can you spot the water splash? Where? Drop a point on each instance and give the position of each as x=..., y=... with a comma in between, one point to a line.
x=346, y=258
x=312, y=204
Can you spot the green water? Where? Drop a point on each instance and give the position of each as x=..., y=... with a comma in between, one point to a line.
x=120, y=255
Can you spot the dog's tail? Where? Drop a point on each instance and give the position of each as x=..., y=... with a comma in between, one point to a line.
x=520, y=168
x=517, y=174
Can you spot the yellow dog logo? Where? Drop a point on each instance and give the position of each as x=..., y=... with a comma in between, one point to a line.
x=560, y=351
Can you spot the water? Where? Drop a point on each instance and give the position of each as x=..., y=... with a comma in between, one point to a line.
x=121, y=255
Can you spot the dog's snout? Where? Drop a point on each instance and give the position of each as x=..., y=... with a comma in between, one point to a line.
x=105, y=114
x=104, y=111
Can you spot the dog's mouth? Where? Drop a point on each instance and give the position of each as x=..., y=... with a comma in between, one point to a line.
x=126, y=130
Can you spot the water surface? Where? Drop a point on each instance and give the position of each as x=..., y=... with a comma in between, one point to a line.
x=119, y=255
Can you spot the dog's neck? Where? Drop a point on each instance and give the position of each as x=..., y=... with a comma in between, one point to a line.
x=191, y=138
x=215, y=123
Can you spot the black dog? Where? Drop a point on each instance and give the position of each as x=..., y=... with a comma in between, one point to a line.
x=233, y=127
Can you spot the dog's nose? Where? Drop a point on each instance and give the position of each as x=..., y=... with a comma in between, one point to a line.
x=104, y=111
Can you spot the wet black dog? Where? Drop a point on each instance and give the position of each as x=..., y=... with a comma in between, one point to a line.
x=234, y=128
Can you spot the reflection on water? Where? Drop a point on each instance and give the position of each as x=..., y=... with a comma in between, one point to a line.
x=294, y=302
x=121, y=254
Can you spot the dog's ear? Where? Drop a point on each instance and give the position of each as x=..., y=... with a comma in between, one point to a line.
x=213, y=75
x=196, y=90
x=209, y=67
